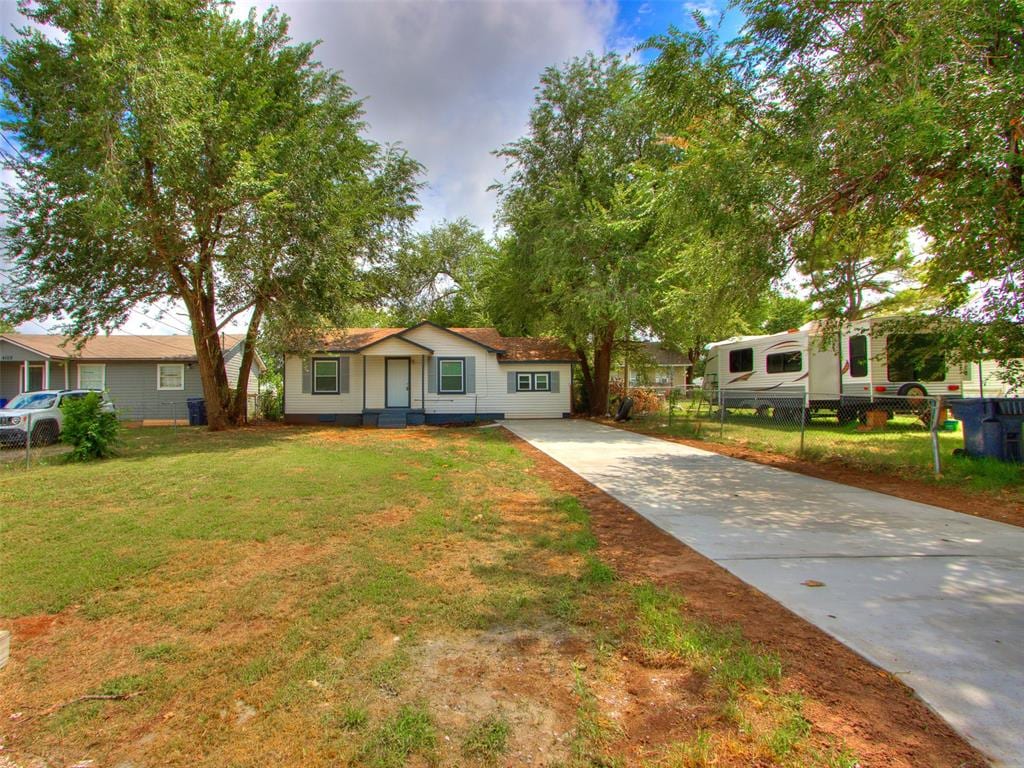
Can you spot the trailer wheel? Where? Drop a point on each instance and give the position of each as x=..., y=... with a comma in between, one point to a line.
x=916, y=401
x=846, y=414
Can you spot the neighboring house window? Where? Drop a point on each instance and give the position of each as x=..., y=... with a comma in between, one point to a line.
x=92, y=376
x=785, y=362
x=325, y=377
x=533, y=382
x=741, y=360
x=452, y=377
x=170, y=376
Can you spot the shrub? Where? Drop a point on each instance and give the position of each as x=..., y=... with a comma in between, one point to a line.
x=269, y=406
x=91, y=431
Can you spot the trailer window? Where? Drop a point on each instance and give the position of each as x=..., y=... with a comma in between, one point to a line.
x=912, y=357
x=858, y=356
x=741, y=360
x=784, y=362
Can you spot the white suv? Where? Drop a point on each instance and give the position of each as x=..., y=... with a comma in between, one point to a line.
x=41, y=412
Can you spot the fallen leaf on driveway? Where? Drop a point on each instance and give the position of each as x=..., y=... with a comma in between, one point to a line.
x=813, y=583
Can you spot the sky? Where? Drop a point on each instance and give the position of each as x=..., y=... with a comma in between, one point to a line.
x=453, y=80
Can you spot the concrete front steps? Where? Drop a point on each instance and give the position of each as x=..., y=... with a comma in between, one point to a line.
x=394, y=418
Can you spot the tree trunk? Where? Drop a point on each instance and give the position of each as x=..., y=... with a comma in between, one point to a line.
x=602, y=372
x=212, y=374
x=588, y=376
x=237, y=413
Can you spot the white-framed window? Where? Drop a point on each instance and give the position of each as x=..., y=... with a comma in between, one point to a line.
x=325, y=376
x=451, y=376
x=170, y=376
x=92, y=376
x=533, y=382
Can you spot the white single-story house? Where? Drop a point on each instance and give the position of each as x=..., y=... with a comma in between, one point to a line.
x=146, y=377
x=393, y=377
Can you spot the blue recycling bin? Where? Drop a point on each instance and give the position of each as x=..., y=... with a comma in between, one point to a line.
x=196, y=411
x=992, y=426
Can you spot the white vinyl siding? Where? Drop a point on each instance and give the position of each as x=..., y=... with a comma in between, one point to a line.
x=297, y=401
x=169, y=376
x=92, y=376
x=491, y=393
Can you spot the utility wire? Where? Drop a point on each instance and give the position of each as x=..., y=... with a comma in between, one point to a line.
x=16, y=150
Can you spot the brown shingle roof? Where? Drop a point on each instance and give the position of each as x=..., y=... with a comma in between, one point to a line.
x=662, y=355
x=115, y=346
x=509, y=348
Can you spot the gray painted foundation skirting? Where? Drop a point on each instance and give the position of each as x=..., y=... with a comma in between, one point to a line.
x=369, y=419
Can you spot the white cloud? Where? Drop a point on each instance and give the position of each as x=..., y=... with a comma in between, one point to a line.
x=451, y=81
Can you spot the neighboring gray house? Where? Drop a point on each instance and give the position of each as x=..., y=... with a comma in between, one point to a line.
x=146, y=377
x=656, y=367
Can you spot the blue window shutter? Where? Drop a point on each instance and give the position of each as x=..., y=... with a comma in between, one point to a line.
x=470, y=372
x=343, y=375
x=432, y=376
x=511, y=382
x=307, y=376
x=553, y=380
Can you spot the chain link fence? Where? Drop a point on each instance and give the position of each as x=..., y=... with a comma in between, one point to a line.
x=29, y=442
x=880, y=431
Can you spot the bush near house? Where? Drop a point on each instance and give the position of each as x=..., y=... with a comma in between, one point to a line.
x=91, y=431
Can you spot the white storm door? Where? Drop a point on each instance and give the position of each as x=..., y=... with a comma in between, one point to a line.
x=397, y=375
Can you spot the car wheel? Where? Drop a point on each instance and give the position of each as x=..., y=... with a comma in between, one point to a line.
x=45, y=433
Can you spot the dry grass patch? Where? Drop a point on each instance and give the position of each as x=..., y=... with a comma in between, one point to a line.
x=331, y=597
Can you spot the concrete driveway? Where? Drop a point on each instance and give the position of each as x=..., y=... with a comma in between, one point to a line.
x=933, y=596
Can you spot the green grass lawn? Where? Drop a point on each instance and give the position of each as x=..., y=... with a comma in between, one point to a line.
x=903, y=447
x=329, y=597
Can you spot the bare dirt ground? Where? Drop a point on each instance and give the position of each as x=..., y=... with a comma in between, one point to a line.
x=873, y=713
x=988, y=505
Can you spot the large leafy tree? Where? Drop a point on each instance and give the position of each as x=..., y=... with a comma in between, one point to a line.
x=854, y=267
x=438, y=275
x=714, y=195
x=916, y=108
x=169, y=150
x=574, y=262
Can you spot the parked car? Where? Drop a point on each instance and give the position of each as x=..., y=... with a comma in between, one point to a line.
x=40, y=412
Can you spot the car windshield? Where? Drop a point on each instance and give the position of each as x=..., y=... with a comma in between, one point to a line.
x=33, y=400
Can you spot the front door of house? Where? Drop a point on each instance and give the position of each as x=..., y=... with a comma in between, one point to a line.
x=36, y=377
x=397, y=384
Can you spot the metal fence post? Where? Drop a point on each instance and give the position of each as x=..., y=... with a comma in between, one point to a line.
x=803, y=422
x=721, y=413
x=936, y=454
x=28, y=440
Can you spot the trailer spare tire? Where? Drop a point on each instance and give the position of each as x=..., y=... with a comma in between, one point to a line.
x=625, y=407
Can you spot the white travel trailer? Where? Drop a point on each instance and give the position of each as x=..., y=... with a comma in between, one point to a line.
x=864, y=362
x=878, y=361
x=985, y=379
x=788, y=366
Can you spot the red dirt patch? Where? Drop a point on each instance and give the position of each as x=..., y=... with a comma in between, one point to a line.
x=879, y=718
x=27, y=627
